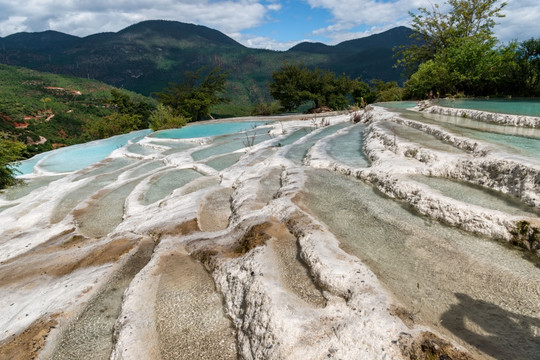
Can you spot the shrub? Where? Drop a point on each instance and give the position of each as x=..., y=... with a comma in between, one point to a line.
x=164, y=118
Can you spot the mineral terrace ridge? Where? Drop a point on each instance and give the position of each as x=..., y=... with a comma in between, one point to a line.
x=232, y=262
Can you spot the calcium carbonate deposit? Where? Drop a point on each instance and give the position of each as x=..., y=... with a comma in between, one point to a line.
x=403, y=236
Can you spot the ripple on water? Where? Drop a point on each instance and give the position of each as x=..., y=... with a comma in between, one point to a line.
x=477, y=195
x=227, y=144
x=480, y=292
x=225, y=161
x=347, y=148
x=29, y=185
x=164, y=184
x=298, y=152
x=104, y=212
x=418, y=136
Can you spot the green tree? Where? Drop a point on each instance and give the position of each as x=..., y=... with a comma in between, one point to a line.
x=194, y=97
x=529, y=62
x=471, y=67
x=125, y=105
x=289, y=86
x=294, y=85
x=10, y=152
x=362, y=90
x=114, y=124
x=165, y=118
x=435, y=30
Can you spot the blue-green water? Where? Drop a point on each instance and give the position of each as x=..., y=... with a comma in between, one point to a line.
x=347, y=148
x=400, y=105
x=76, y=157
x=530, y=107
x=298, y=152
x=208, y=129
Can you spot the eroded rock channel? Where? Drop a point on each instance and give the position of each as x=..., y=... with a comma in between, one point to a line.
x=308, y=241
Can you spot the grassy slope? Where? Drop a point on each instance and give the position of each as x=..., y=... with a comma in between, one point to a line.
x=29, y=97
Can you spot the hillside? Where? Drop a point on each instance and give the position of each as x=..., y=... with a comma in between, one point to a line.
x=47, y=111
x=147, y=56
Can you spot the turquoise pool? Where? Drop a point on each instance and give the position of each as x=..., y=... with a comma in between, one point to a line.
x=400, y=105
x=76, y=157
x=530, y=107
x=207, y=129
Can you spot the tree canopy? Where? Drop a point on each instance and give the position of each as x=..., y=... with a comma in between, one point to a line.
x=457, y=52
x=294, y=85
x=193, y=97
x=436, y=30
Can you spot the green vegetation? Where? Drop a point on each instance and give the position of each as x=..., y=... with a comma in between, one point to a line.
x=194, y=97
x=456, y=53
x=129, y=115
x=47, y=111
x=266, y=108
x=164, y=117
x=10, y=151
x=145, y=57
x=295, y=85
x=435, y=31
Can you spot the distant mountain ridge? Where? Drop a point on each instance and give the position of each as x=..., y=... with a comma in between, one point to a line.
x=145, y=57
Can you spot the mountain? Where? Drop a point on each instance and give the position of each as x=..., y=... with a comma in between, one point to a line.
x=370, y=57
x=146, y=56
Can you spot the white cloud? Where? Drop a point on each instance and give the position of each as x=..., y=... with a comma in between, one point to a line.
x=264, y=42
x=521, y=21
x=80, y=17
x=13, y=24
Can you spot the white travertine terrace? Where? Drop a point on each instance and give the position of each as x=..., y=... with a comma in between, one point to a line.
x=250, y=222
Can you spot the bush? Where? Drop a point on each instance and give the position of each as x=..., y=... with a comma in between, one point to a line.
x=265, y=109
x=10, y=151
x=164, y=118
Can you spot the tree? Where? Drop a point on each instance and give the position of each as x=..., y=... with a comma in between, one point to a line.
x=436, y=31
x=125, y=105
x=289, y=86
x=114, y=124
x=362, y=90
x=10, y=152
x=194, y=97
x=165, y=118
x=471, y=67
x=294, y=85
x=529, y=61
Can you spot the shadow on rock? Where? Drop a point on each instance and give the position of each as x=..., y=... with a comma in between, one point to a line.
x=493, y=330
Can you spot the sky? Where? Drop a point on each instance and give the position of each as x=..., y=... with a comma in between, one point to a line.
x=268, y=24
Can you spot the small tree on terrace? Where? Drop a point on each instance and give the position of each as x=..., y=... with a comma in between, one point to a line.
x=194, y=97
x=294, y=85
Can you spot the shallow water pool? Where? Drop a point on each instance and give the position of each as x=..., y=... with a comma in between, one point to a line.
x=347, y=148
x=76, y=157
x=476, y=290
x=208, y=129
x=529, y=107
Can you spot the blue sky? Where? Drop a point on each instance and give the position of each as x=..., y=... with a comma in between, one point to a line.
x=271, y=24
